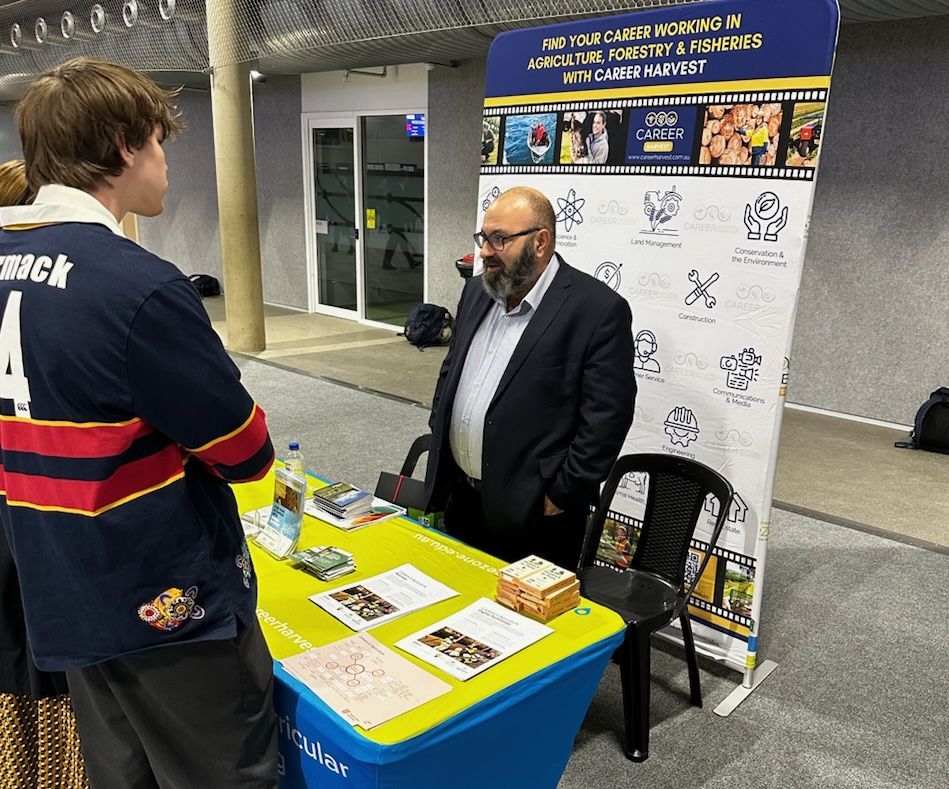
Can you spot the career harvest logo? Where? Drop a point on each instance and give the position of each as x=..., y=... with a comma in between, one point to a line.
x=614, y=212
x=712, y=218
x=751, y=297
x=490, y=197
x=661, y=135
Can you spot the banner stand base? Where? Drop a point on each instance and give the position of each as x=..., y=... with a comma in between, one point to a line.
x=739, y=694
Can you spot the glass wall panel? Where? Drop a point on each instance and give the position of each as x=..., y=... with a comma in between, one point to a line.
x=335, y=203
x=393, y=171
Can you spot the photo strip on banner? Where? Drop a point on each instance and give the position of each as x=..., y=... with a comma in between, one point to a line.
x=679, y=148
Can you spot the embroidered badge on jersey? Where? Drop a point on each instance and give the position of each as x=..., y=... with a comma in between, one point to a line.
x=243, y=561
x=171, y=609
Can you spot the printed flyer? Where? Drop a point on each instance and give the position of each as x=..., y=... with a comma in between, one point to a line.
x=364, y=681
x=382, y=598
x=474, y=639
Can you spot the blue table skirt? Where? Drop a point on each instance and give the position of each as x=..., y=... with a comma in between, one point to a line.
x=520, y=737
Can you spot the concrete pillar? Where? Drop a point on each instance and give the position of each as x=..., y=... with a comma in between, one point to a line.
x=236, y=179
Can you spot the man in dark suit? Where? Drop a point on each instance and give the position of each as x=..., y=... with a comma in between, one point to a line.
x=535, y=396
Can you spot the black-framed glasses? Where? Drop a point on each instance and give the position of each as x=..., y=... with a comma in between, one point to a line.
x=497, y=241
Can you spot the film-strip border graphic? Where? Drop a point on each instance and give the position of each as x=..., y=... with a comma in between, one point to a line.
x=720, y=553
x=729, y=171
x=787, y=98
x=662, y=101
x=632, y=524
x=721, y=611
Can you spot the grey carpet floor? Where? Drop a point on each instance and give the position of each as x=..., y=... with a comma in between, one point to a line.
x=859, y=625
x=842, y=470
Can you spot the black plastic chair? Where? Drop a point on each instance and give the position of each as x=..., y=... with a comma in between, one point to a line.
x=400, y=488
x=652, y=592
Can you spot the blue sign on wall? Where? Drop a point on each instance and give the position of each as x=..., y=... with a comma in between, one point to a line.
x=719, y=41
x=415, y=125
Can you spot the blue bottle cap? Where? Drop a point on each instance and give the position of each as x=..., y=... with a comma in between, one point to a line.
x=294, y=446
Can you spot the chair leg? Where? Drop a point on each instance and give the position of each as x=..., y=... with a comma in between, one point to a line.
x=634, y=671
x=695, y=685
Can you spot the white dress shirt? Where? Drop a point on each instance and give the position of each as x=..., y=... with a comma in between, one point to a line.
x=491, y=350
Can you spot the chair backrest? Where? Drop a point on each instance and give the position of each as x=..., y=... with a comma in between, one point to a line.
x=678, y=488
x=400, y=488
x=421, y=445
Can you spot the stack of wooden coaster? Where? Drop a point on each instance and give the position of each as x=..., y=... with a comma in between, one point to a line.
x=538, y=588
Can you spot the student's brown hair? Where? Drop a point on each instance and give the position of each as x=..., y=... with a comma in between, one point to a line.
x=73, y=120
x=13, y=188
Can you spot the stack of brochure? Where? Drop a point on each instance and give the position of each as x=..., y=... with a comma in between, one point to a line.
x=342, y=500
x=326, y=562
x=538, y=588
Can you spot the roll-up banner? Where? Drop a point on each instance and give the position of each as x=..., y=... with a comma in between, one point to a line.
x=679, y=148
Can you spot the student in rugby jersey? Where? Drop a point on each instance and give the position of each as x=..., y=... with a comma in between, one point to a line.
x=122, y=421
x=38, y=736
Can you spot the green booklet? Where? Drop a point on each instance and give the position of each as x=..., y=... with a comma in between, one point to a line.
x=324, y=561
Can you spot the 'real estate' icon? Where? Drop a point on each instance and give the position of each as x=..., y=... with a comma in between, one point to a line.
x=660, y=207
x=681, y=426
x=701, y=289
x=767, y=214
x=741, y=369
x=645, y=346
x=737, y=512
x=568, y=210
x=608, y=274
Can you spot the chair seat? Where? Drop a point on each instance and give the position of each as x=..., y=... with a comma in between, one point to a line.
x=641, y=598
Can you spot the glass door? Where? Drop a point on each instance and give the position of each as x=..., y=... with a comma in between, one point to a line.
x=393, y=189
x=335, y=232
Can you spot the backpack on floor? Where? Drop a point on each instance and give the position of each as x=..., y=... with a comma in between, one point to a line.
x=206, y=284
x=428, y=324
x=931, y=427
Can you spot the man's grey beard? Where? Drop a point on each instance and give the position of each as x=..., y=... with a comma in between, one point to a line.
x=503, y=283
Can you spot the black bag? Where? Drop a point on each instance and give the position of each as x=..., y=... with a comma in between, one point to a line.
x=428, y=324
x=206, y=284
x=931, y=427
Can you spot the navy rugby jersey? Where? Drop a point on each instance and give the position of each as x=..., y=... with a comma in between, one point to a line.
x=122, y=420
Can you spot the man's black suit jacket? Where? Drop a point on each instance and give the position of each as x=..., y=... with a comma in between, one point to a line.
x=562, y=408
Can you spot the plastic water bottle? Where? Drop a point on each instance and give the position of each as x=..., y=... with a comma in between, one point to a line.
x=294, y=462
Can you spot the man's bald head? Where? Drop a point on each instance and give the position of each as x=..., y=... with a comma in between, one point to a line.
x=538, y=206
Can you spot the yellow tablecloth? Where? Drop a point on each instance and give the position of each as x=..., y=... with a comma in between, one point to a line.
x=291, y=623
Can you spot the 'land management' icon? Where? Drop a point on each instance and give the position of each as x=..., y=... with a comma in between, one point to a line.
x=660, y=207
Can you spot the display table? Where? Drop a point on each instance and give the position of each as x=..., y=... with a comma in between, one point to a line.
x=511, y=726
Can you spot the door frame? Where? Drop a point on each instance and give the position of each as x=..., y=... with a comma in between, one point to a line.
x=309, y=122
x=351, y=120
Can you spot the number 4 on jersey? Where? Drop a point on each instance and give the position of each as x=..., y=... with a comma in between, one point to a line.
x=14, y=384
